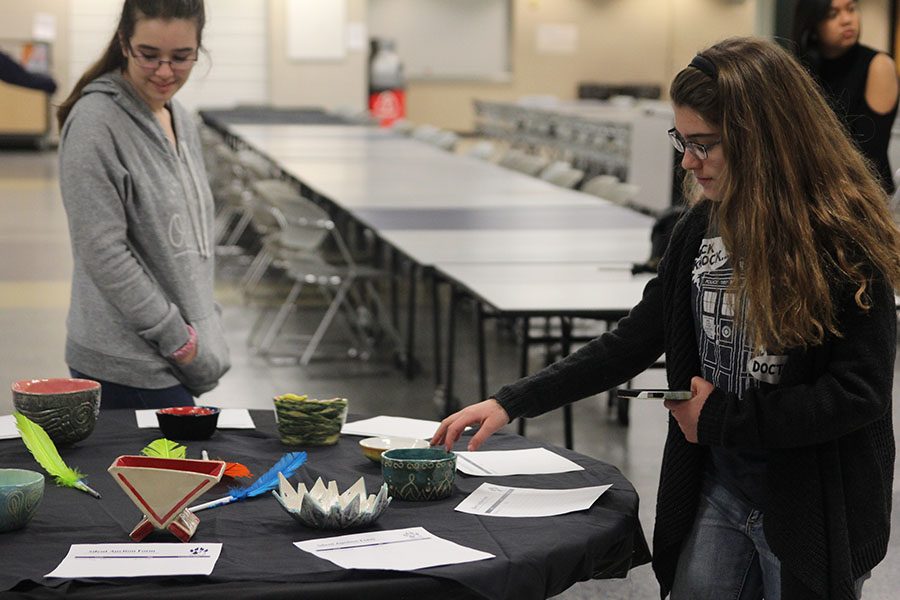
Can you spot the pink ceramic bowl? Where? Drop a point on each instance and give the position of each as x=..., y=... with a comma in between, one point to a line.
x=66, y=408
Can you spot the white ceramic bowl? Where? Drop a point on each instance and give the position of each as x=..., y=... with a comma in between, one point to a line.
x=373, y=447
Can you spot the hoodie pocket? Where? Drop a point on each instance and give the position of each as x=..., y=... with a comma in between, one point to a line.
x=212, y=360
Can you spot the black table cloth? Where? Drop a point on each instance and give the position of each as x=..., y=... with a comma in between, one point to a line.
x=535, y=557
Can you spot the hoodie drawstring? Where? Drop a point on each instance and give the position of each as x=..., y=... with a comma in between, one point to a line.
x=201, y=229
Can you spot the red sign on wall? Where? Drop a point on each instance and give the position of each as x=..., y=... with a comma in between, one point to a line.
x=387, y=106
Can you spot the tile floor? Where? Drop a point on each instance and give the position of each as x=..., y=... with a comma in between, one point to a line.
x=34, y=275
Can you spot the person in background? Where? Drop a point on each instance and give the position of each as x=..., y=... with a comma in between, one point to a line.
x=13, y=73
x=774, y=306
x=142, y=318
x=859, y=83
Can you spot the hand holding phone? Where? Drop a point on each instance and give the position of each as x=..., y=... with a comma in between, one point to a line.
x=656, y=394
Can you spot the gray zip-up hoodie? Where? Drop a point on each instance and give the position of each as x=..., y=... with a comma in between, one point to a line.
x=140, y=215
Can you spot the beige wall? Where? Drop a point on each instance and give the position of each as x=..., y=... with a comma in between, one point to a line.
x=876, y=26
x=618, y=41
x=329, y=84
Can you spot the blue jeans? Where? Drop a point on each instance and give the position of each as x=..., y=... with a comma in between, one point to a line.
x=726, y=554
x=114, y=395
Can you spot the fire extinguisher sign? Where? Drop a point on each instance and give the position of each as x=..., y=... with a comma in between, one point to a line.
x=387, y=106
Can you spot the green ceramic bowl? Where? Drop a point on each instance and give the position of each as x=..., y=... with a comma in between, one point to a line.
x=304, y=421
x=21, y=492
x=66, y=408
x=419, y=473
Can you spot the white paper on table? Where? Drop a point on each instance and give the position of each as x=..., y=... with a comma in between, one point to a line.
x=501, y=501
x=532, y=461
x=392, y=550
x=138, y=560
x=8, y=429
x=229, y=418
x=392, y=427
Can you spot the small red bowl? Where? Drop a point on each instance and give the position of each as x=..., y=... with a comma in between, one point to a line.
x=188, y=422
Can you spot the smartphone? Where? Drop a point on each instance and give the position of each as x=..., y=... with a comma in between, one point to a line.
x=660, y=394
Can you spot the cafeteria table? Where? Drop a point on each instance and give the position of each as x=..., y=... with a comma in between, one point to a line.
x=535, y=557
x=526, y=291
x=431, y=208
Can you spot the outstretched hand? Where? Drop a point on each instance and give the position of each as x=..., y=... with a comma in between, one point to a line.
x=489, y=415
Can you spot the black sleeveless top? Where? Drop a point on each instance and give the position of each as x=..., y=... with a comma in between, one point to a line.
x=843, y=80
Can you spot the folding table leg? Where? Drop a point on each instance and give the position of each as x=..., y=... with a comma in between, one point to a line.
x=479, y=340
x=436, y=327
x=566, y=344
x=411, y=323
x=449, y=401
x=523, y=361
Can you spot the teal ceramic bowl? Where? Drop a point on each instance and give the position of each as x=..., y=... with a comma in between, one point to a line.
x=21, y=492
x=419, y=473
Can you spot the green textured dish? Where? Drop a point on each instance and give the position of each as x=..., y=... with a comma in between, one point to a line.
x=419, y=474
x=308, y=422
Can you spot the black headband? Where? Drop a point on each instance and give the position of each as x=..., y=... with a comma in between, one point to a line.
x=705, y=66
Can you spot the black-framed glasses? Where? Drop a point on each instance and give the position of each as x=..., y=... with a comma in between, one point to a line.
x=701, y=151
x=151, y=62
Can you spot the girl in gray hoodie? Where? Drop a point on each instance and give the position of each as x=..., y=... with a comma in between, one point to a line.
x=142, y=318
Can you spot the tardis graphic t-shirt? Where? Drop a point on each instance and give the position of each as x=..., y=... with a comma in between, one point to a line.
x=729, y=362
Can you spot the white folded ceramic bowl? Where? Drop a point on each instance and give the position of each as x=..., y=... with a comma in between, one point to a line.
x=324, y=507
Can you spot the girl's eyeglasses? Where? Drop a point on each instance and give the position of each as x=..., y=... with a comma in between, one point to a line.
x=701, y=151
x=152, y=63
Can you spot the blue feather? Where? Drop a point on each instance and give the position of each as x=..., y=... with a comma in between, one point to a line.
x=287, y=465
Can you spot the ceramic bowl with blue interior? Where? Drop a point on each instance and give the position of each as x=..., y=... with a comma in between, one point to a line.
x=66, y=408
x=188, y=422
x=419, y=474
x=21, y=492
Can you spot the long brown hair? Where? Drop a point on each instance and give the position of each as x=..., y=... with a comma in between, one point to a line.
x=113, y=58
x=800, y=208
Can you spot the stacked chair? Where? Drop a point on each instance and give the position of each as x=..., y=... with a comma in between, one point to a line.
x=442, y=138
x=295, y=242
x=563, y=174
x=518, y=160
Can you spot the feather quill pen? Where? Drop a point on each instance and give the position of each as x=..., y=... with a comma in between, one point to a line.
x=287, y=465
x=164, y=448
x=44, y=451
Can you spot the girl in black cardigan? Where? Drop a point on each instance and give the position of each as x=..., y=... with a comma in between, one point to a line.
x=774, y=305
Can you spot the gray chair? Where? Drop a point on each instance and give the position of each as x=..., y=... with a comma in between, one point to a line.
x=278, y=205
x=483, y=149
x=601, y=186
x=517, y=160
x=568, y=178
x=349, y=288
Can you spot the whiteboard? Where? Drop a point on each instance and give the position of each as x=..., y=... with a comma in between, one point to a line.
x=446, y=39
x=316, y=29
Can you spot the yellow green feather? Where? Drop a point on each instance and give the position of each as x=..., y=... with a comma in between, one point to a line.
x=44, y=451
x=164, y=448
